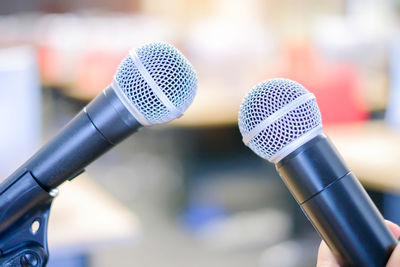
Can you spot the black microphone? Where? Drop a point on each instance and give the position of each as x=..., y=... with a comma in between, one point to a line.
x=154, y=84
x=281, y=122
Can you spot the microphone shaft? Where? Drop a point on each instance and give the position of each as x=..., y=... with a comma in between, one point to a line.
x=336, y=204
x=103, y=123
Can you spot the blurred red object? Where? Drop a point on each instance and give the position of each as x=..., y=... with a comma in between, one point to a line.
x=48, y=64
x=336, y=85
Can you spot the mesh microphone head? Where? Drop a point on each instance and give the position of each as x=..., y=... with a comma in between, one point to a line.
x=277, y=116
x=156, y=83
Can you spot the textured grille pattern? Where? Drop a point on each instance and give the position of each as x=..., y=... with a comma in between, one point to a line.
x=265, y=99
x=170, y=70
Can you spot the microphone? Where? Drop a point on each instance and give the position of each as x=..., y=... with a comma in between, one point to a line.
x=154, y=84
x=281, y=122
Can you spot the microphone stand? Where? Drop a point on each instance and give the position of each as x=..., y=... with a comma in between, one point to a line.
x=24, y=214
x=26, y=195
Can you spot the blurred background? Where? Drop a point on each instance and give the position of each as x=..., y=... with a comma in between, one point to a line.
x=190, y=193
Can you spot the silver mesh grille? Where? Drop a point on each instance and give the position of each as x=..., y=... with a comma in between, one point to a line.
x=170, y=70
x=270, y=97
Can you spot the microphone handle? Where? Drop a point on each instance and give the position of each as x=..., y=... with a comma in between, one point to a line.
x=336, y=204
x=104, y=122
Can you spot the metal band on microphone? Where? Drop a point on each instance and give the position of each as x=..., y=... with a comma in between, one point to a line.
x=289, y=148
x=276, y=115
x=153, y=85
x=128, y=104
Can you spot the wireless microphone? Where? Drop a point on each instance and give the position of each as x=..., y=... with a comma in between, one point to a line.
x=281, y=122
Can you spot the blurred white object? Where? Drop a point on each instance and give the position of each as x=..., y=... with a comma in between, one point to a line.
x=20, y=101
x=231, y=48
x=247, y=229
x=285, y=254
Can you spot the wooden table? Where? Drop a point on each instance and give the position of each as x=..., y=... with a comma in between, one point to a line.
x=372, y=151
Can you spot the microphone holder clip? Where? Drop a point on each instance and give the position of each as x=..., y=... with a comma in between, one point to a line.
x=24, y=214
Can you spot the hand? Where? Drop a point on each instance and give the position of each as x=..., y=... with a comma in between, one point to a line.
x=326, y=258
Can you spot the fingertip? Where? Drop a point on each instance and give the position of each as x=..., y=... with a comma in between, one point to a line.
x=394, y=228
x=325, y=257
x=394, y=260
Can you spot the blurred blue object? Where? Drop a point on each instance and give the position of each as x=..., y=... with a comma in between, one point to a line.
x=198, y=216
x=393, y=108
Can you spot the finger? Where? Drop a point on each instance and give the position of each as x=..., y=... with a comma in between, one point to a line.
x=325, y=257
x=394, y=228
x=394, y=260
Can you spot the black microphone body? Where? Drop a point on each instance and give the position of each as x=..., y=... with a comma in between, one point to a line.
x=103, y=123
x=336, y=204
